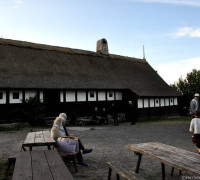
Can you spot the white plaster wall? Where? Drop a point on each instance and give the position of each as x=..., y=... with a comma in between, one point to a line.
x=118, y=95
x=171, y=101
x=166, y=101
x=157, y=102
x=146, y=103
x=151, y=102
x=175, y=101
x=13, y=101
x=101, y=95
x=92, y=98
x=61, y=96
x=3, y=101
x=162, y=102
x=110, y=98
x=41, y=96
x=29, y=93
x=70, y=96
x=81, y=96
x=140, y=103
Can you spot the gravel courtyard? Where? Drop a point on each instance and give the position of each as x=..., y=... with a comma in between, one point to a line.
x=110, y=144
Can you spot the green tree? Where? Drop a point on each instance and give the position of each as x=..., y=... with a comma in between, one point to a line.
x=34, y=111
x=188, y=86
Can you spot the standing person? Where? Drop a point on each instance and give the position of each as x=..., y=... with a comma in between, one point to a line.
x=195, y=130
x=194, y=105
x=104, y=115
x=114, y=114
x=131, y=112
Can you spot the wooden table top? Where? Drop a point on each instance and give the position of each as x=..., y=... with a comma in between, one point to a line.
x=40, y=138
x=178, y=158
x=40, y=165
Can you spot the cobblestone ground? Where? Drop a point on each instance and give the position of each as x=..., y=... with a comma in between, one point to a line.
x=110, y=144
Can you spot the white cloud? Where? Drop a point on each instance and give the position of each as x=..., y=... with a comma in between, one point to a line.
x=172, y=71
x=175, y=2
x=187, y=32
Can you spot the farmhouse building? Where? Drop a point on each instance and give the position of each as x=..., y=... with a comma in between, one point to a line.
x=74, y=81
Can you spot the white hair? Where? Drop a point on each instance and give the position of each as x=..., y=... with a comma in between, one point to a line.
x=63, y=115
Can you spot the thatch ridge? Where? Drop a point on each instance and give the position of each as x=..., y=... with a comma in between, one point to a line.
x=65, y=50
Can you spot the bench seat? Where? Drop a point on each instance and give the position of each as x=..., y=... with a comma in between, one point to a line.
x=121, y=172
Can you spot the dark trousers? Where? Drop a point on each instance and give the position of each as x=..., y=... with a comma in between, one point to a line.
x=79, y=155
x=116, y=122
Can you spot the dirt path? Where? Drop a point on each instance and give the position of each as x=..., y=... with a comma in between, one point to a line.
x=110, y=143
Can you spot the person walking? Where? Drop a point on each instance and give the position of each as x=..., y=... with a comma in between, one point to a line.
x=194, y=105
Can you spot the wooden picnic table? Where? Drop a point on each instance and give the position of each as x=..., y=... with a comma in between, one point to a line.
x=40, y=138
x=176, y=158
x=40, y=165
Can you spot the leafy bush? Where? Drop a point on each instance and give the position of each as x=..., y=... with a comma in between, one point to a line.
x=34, y=111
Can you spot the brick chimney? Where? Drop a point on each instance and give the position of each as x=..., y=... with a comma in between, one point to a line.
x=102, y=46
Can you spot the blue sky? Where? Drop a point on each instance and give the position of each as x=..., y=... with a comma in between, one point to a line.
x=169, y=29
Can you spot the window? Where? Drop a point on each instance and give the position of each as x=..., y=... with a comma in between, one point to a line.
x=15, y=95
x=1, y=95
x=92, y=94
x=110, y=94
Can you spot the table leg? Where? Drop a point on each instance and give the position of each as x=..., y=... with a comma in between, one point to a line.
x=49, y=147
x=163, y=171
x=172, y=171
x=118, y=178
x=138, y=162
x=30, y=148
x=109, y=173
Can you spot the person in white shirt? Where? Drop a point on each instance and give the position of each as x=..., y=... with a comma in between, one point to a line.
x=195, y=129
x=194, y=105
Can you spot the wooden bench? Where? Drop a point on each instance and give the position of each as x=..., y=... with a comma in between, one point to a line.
x=168, y=155
x=83, y=121
x=40, y=165
x=121, y=172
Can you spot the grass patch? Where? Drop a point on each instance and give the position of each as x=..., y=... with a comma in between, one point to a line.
x=92, y=128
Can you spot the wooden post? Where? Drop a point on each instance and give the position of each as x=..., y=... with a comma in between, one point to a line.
x=118, y=178
x=138, y=163
x=163, y=171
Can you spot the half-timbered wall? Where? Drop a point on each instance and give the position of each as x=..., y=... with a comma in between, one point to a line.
x=29, y=94
x=70, y=96
x=157, y=102
x=15, y=97
x=2, y=97
x=101, y=95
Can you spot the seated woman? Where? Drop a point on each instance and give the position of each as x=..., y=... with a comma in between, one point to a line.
x=64, y=131
x=97, y=116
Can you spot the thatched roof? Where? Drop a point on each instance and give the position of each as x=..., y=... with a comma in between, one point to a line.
x=29, y=65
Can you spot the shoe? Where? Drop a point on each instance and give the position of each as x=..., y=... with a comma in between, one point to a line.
x=82, y=164
x=87, y=151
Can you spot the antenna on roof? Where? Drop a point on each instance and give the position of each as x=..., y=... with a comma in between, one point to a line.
x=143, y=53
